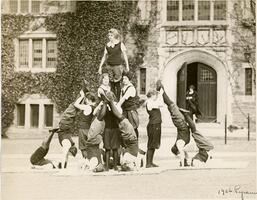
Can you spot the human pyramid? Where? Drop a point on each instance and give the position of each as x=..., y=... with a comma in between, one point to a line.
x=111, y=119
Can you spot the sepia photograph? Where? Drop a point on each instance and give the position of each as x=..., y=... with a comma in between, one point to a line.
x=128, y=99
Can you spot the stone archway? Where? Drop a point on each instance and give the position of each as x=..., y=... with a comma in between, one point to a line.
x=173, y=65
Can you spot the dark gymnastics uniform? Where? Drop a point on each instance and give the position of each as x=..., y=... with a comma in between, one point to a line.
x=154, y=128
x=179, y=121
x=129, y=108
x=111, y=137
x=89, y=148
x=84, y=122
x=115, y=68
x=114, y=62
x=129, y=138
x=193, y=105
x=38, y=157
x=66, y=123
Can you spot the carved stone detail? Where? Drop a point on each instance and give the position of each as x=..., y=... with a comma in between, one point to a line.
x=187, y=37
x=203, y=37
x=172, y=37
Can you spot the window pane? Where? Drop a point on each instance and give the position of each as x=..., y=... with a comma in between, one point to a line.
x=35, y=6
x=34, y=115
x=188, y=10
x=248, y=81
x=142, y=81
x=20, y=114
x=172, y=10
x=13, y=6
x=51, y=53
x=206, y=76
x=203, y=10
x=219, y=10
x=37, y=53
x=24, y=6
x=48, y=115
x=24, y=53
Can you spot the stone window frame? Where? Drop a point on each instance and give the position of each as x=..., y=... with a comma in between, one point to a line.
x=44, y=6
x=196, y=22
x=34, y=99
x=30, y=37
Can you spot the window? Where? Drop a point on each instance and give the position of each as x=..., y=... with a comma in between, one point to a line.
x=13, y=6
x=204, y=10
x=35, y=7
x=24, y=6
x=195, y=10
x=42, y=57
x=219, y=10
x=20, y=114
x=34, y=115
x=188, y=10
x=206, y=76
x=172, y=10
x=248, y=81
x=35, y=112
x=24, y=53
x=48, y=115
x=37, y=53
x=142, y=80
x=51, y=53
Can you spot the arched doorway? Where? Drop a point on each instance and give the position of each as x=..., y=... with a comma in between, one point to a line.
x=169, y=75
x=204, y=78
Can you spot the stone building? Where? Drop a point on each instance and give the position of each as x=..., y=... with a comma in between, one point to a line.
x=189, y=42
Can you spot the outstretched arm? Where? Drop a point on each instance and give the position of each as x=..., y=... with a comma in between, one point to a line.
x=102, y=61
x=124, y=52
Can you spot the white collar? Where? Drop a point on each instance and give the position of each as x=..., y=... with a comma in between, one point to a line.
x=105, y=87
x=112, y=44
x=125, y=87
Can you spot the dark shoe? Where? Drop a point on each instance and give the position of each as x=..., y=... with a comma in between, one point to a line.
x=115, y=168
x=148, y=166
x=99, y=168
x=141, y=151
x=180, y=164
x=159, y=85
x=192, y=163
x=154, y=165
x=186, y=163
x=53, y=130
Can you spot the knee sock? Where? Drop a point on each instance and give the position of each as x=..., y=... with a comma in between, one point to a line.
x=136, y=131
x=166, y=99
x=115, y=158
x=190, y=122
x=47, y=141
x=149, y=156
x=107, y=161
x=101, y=113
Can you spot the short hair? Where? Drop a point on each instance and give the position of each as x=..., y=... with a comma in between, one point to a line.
x=128, y=74
x=102, y=77
x=90, y=96
x=192, y=87
x=151, y=92
x=115, y=33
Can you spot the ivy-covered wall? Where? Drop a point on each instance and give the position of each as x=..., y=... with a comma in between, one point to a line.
x=81, y=37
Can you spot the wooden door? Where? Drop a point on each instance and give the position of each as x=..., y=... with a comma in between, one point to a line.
x=182, y=86
x=207, y=92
